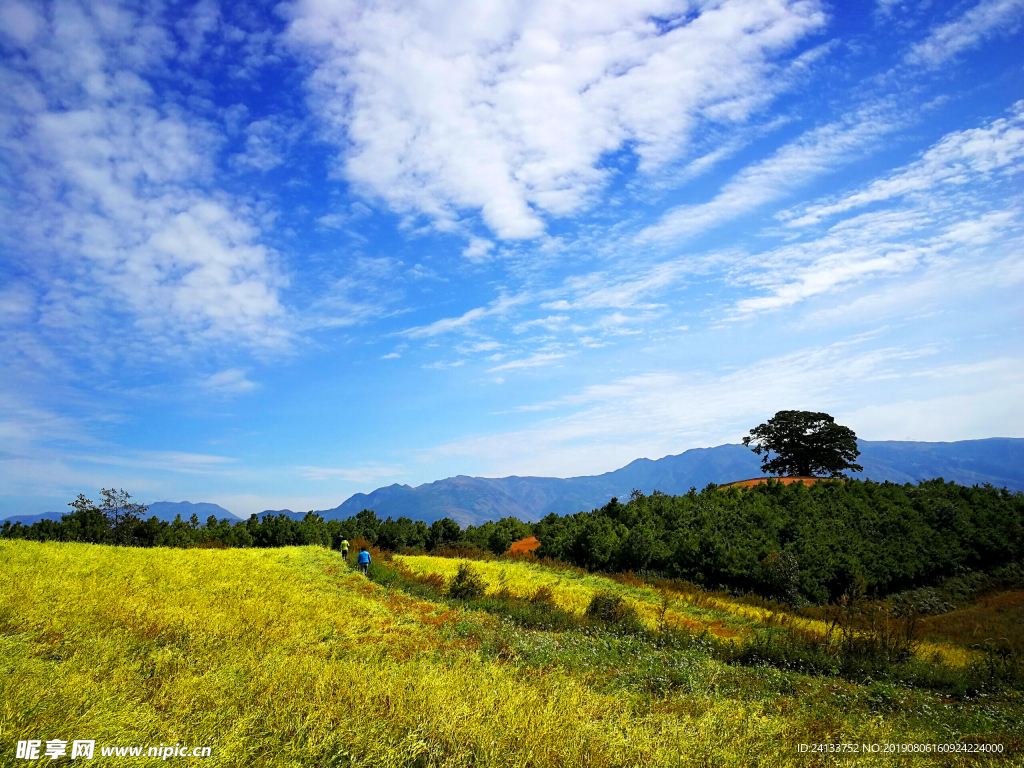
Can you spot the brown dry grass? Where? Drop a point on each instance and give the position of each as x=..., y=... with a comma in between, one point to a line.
x=784, y=480
x=997, y=619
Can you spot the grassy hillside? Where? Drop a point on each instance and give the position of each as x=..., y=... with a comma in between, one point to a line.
x=694, y=610
x=286, y=657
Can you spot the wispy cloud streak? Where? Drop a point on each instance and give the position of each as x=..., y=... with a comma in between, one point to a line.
x=987, y=18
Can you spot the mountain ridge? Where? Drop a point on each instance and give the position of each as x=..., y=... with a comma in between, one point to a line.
x=165, y=510
x=473, y=500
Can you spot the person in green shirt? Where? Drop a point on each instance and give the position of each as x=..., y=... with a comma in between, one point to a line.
x=344, y=550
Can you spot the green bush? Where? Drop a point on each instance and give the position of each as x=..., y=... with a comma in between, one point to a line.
x=382, y=574
x=543, y=598
x=467, y=584
x=610, y=608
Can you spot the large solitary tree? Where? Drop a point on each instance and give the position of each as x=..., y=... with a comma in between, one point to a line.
x=805, y=444
x=120, y=511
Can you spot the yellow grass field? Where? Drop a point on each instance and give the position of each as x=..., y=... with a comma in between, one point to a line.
x=573, y=592
x=283, y=657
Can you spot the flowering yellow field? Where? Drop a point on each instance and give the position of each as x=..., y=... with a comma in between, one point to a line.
x=281, y=657
x=573, y=592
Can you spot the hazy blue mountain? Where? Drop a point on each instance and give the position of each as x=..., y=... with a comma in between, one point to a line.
x=30, y=519
x=165, y=510
x=473, y=500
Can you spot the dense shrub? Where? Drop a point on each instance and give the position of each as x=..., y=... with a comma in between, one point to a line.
x=612, y=609
x=467, y=584
x=605, y=606
x=543, y=597
x=787, y=541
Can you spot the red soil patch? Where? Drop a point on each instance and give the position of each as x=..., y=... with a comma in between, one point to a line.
x=783, y=480
x=523, y=546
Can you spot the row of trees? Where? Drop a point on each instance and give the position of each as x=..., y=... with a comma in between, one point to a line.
x=784, y=541
x=116, y=520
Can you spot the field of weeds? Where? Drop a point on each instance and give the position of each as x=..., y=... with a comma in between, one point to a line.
x=287, y=657
x=691, y=609
x=573, y=589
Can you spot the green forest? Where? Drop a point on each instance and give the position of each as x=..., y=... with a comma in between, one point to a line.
x=790, y=543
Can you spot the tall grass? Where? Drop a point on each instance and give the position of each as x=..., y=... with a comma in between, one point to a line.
x=286, y=657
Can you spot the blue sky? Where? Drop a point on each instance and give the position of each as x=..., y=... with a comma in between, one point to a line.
x=269, y=255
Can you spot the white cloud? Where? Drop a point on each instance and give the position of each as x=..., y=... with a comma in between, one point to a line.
x=987, y=18
x=817, y=152
x=507, y=108
x=948, y=216
x=534, y=361
x=109, y=206
x=465, y=321
x=340, y=219
x=368, y=290
x=230, y=382
x=886, y=7
x=391, y=356
x=551, y=322
x=333, y=220
x=660, y=413
x=478, y=346
x=266, y=142
x=989, y=410
x=600, y=290
x=478, y=249
x=979, y=278
x=442, y=365
x=965, y=253
x=167, y=461
x=19, y=21
x=23, y=424
x=368, y=474
x=959, y=157
x=16, y=303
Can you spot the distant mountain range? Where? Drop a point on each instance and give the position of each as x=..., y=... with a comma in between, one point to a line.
x=165, y=510
x=474, y=500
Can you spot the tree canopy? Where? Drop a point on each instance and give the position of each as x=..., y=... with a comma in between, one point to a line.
x=805, y=444
x=116, y=520
x=784, y=541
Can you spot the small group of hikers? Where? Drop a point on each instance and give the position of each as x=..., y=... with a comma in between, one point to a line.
x=363, y=560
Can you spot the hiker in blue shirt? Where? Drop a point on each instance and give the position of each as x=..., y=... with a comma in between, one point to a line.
x=364, y=560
